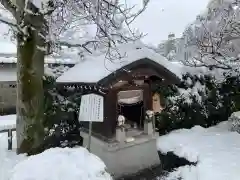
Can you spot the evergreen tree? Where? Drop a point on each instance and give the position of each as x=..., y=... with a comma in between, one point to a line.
x=198, y=100
x=61, y=125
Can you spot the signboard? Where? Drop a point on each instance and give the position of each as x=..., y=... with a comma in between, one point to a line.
x=91, y=108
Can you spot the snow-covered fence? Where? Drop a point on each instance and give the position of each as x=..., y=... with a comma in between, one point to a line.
x=8, y=125
x=10, y=136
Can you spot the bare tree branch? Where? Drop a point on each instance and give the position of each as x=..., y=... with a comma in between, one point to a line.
x=71, y=45
x=217, y=34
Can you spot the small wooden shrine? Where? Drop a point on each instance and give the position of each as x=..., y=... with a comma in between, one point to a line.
x=126, y=86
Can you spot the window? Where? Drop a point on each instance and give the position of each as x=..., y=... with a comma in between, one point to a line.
x=12, y=85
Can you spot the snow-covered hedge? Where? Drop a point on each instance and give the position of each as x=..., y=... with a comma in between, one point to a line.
x=61, y=164
x=62, y=128
x=198, y=100
x=234, y=121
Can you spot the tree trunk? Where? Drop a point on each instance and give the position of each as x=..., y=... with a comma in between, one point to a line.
x=30, y=71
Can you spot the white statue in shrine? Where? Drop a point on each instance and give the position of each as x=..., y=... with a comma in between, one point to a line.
x=150, y=113
x=121, y=120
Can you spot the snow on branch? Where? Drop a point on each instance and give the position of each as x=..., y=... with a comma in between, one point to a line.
x=74, y=45
x=102, y=23
x=215, y=36
x=85, y=24
x=7, y=21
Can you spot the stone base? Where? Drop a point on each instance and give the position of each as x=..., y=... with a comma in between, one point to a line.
x=127, y=158
x=148, y=128
x=120, y=135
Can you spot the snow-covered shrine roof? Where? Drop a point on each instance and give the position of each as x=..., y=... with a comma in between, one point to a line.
x=95, y=68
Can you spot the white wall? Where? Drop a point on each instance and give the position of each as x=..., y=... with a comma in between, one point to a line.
x=8, y=73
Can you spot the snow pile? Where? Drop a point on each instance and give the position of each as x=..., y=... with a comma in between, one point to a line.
x=215, y=149
x=8, y=159
x=58, y=163
x=54, y=164
x=7, y=122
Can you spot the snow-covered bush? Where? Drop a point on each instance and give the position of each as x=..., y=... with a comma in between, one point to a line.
x=198, y=100
x=62, y=128
x=61, y=163
x=234, y=122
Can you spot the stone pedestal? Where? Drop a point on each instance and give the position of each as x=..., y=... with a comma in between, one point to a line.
x=127, y=158
x=149, y=123
x=148, y=128
x=120, y=134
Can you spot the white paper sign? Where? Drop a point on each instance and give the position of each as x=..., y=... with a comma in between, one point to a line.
x=91, y=108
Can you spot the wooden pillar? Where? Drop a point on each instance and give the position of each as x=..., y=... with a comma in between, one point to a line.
x=110, y=114
x=147, y=95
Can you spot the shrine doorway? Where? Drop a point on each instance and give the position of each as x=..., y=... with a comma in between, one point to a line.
x=130, y=105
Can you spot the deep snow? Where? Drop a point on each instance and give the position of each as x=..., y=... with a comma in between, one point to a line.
x=216, y=151
x=54, y=164
x=61, y=164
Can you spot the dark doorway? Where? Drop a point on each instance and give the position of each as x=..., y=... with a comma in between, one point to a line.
x=132, y=112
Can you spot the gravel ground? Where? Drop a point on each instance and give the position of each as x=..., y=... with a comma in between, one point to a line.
x=154, y=173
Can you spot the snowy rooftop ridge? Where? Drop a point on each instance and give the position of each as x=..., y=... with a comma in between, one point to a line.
x=8, y=54
x=8, y=59
x=95, y=68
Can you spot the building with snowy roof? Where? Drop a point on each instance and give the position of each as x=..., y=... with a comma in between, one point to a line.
x=8, y=73
x=125, y=84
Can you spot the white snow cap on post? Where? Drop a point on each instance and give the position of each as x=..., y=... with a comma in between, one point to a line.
x=150, y=113
x=121, y=120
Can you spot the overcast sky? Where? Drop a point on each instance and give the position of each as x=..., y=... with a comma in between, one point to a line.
x=164, y=16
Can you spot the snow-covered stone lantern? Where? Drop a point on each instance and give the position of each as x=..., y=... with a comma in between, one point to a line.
x=149, y=123
x=120, y=130
x=121, y=121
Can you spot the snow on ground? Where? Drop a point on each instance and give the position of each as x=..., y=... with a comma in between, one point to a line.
x=54, y=164
x=8, y=159
x=64, y=164
x=7, y=122
x=216, y=151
